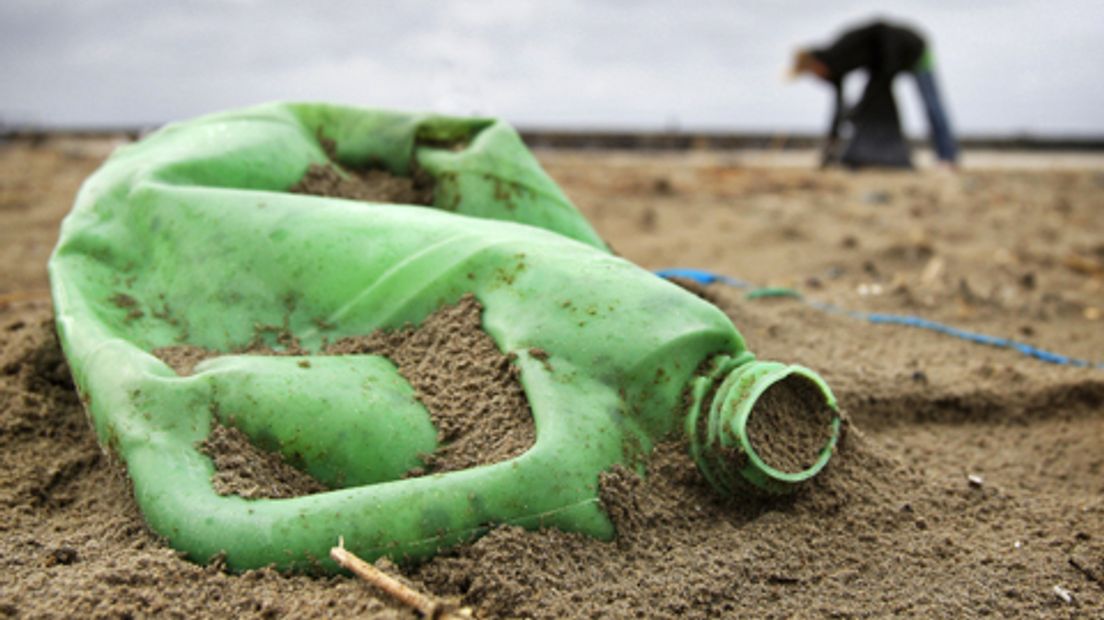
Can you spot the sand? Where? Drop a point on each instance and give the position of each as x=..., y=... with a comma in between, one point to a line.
x=969, y=482
x=245, y=470
x=370, y=185
x=470, y=388
x=790, y=425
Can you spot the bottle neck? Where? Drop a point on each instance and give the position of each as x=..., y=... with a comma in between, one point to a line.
x=765, y=424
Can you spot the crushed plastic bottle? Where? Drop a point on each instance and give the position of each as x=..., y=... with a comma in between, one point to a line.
x=190, y=236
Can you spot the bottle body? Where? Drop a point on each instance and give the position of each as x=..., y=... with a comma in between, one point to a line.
x=193, y=229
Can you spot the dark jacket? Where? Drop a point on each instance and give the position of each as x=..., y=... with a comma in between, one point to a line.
x=882, y=50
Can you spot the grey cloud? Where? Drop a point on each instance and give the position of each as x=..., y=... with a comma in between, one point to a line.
x=1005, y=66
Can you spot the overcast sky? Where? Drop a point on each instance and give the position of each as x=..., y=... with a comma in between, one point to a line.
x=1006, y=66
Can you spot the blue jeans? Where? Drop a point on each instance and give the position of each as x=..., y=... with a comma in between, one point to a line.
x=946, y=148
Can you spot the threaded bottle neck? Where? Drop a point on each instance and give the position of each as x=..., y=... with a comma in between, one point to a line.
x=765, y=424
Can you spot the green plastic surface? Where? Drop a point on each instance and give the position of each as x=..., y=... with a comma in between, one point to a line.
x=190, y=236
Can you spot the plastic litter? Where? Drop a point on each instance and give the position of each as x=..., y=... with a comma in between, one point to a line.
x=190, y=236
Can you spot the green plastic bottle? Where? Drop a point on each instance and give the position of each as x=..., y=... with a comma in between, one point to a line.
x=190, y=236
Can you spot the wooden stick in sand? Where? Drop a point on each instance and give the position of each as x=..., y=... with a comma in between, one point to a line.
x=427, y=606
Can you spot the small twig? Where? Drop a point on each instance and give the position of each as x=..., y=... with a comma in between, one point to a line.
x=427, y=606
x=1086, y=571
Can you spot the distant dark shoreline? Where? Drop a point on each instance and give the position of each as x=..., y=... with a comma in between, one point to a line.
x=650, y=140
x=722, y=141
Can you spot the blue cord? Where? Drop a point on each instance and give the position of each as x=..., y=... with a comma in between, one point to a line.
x=701, y=277
x=878, y=318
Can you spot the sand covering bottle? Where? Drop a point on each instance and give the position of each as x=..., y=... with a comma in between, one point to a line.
x=190, y=236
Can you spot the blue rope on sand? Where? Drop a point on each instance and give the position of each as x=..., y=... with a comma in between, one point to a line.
x=701, y=277
x=878, y=318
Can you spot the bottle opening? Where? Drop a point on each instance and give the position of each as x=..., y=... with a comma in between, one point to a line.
x=772, y=425
x=790, y=425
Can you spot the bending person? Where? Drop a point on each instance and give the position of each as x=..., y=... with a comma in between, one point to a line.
x=883, y=50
